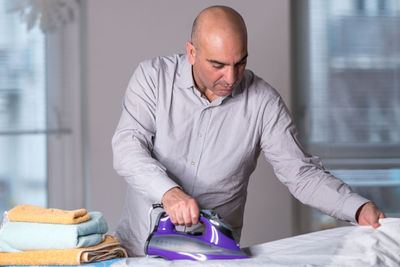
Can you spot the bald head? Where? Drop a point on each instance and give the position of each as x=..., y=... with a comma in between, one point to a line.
x=218, y=51
x=218, y=21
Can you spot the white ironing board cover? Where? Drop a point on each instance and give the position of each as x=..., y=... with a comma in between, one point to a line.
x=342, y=246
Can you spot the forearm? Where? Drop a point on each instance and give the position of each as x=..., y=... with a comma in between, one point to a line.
x=133, y=161
x=303, y=174
x=326, y=193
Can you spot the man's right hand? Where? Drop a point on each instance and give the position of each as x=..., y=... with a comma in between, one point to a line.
x=181, y=208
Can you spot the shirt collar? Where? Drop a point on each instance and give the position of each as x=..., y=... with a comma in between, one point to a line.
x=186, y=77
x=185, y=73
x=238, y=88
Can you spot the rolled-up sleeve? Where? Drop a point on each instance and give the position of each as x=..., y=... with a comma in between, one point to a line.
x=304, y=174
x=132, y=142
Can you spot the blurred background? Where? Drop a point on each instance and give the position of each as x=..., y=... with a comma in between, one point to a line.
x=65, y=65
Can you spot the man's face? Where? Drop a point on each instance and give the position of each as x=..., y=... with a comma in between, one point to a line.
x=218, y=64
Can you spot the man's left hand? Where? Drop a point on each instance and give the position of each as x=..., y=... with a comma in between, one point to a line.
x=369, y=214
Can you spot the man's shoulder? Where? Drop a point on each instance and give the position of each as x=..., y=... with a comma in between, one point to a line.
x=164, y=71
x=164, y=62
x=257, y=86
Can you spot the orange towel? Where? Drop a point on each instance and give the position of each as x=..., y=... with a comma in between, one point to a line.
x=108, y=249
x=28, y=213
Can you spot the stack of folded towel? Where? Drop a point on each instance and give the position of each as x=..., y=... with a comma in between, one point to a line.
x=31, y=235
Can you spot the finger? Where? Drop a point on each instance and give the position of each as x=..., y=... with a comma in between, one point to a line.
x=379, y=215
x=372, y=219
x=187, y=217
x=194, y=213
x=179, y=218
x=375, y=225
x=170, y=214
x=172, y=218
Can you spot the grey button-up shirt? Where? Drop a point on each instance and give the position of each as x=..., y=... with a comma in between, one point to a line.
x=170, y=135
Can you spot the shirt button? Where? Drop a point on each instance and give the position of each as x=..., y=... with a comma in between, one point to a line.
x=193, y=163
x=200, y=135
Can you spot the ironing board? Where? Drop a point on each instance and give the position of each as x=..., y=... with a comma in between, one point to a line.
x=343, y=246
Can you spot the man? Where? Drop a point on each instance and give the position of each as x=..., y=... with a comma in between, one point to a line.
x=192, y=128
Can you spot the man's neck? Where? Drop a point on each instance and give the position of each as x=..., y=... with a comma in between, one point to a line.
x=207, y=93
x=204, y=90
x=210, y=95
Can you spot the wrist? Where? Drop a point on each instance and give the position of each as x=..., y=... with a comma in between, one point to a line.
x=172, y=190
x=360, y=210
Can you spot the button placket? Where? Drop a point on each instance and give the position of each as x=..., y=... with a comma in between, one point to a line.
x=204, y=121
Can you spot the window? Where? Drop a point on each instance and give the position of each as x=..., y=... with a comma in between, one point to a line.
x=347, y=93
x=40, y=115
x=23, y=176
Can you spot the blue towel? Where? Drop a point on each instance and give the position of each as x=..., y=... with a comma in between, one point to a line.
x=21, y=236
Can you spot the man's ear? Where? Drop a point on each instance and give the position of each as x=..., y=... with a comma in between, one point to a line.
x=191, y=52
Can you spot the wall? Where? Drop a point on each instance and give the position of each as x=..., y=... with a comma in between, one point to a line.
x=121, y=33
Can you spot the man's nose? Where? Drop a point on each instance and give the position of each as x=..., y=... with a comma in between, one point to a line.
x=231, y=75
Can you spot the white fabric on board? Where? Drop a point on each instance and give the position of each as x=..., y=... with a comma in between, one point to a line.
x=344, y=246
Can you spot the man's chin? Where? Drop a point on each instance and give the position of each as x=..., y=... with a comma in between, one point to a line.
x=224, y=92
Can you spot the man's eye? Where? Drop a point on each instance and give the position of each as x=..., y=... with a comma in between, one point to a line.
x=218, y=66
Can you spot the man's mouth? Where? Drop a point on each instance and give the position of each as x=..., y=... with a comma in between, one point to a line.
x=226, y=87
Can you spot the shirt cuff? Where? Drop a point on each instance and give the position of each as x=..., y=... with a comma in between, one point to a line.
x=158, y=186
x=351, y=206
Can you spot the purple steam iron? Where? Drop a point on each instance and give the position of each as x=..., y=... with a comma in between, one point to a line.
x=215, y=243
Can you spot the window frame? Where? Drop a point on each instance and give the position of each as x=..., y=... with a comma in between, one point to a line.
x=64, y=131
x=66, y=148
x=348, y=156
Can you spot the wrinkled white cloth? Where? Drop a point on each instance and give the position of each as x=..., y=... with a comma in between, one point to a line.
x=344, y=246
x=365, y=246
